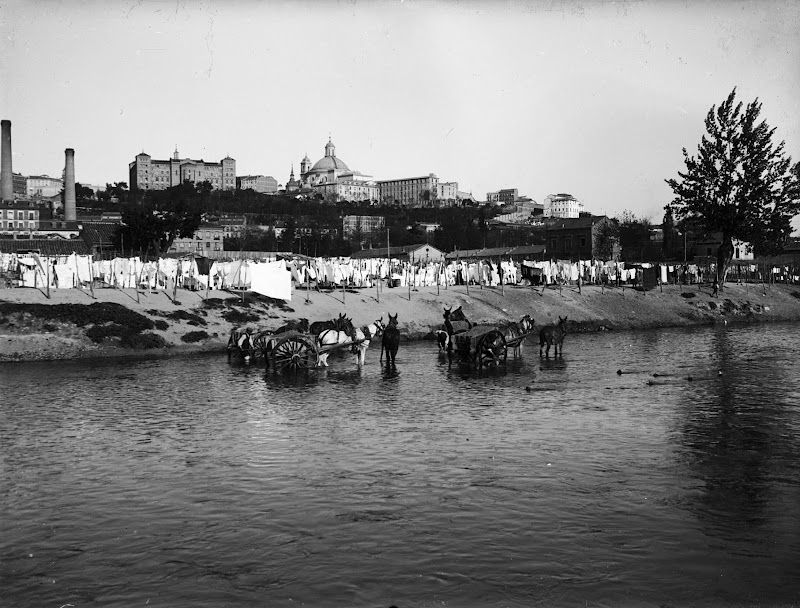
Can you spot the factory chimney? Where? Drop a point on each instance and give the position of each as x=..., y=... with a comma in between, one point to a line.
x=6, y=175
x=69, y=186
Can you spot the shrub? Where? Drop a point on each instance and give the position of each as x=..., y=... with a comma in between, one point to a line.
x=98, y=333
x=143, y=341
x=161, y=325
x=194, y=336
x=238, y=317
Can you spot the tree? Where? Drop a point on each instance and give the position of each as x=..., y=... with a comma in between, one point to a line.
x=153, y=224
x=740, y=184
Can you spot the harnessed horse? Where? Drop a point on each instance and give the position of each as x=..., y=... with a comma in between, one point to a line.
x=363, y=336
x=240, y=343
x=455, y=321
x=344, y=333
x=512, y=331
x=317, y=327
x=391, y=340
x=553, y=335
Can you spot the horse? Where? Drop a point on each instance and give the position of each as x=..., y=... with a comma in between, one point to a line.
x=514, y=330
x=442, y=339
x=345, y=333
x=455, y=322
x=391, y=340
x=363, y=336
x=553, y=335
x=300, y=325
x=240, y=343
x=317, y=327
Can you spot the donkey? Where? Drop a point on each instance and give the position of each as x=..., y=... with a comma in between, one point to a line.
x=455, y=322
x=391, y=340
x=553, y=335
x=344, y=333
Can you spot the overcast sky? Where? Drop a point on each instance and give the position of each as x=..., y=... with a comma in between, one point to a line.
x=593, y=98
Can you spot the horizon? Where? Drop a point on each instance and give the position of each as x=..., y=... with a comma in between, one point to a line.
x=594, y=99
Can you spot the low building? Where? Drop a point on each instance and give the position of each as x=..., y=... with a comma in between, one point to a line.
x=415, y=254
x=575, y=238
x=502, y=197
x=265, y=184
x=363, y=225
x=206, y=239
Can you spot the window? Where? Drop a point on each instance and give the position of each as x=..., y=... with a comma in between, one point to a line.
x=199, y=246
x=568, y=244
x=208, y=245
x=583, y=242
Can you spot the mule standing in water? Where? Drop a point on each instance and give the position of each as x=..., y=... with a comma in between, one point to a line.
x=363, y=336
x=553, y=335
x=391, y=340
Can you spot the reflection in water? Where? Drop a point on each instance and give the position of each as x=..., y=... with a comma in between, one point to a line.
x=190, y=482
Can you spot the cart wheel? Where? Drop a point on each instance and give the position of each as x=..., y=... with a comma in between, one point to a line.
x=295, y=352
x=491, y=348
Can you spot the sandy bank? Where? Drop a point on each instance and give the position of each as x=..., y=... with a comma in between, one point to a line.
x=24, y=337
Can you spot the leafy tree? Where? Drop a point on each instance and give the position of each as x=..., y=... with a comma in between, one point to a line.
x=152, y=225
x=607, y=240
x=740, y=183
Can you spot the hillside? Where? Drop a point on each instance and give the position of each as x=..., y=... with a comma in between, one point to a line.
x=35, y=327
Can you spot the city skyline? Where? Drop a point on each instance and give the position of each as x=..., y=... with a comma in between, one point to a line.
x=595, y=99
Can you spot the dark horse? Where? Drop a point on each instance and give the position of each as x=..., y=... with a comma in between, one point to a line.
x=553, y=335
x=317, y=327
x=390, y=341
x=455, y=322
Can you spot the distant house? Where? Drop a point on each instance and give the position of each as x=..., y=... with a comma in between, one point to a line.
x=575, y=238
x=416, y=254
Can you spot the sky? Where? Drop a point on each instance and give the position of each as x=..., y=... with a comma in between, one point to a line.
x=593, y=98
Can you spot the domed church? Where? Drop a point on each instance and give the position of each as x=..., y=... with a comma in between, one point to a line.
x=326, y=170
x=331, y=175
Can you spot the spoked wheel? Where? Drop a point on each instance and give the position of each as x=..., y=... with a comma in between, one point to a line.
x=295, y=353
x=491, y=349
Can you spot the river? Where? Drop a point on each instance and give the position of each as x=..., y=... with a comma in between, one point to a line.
x=187, y=481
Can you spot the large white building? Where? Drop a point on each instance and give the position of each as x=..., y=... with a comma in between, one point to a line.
x=148, y=174
x=562, y=205
x=40, y=186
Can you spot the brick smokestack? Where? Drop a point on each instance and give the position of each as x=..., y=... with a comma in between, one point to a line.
x=6, y=175
x=69, y=186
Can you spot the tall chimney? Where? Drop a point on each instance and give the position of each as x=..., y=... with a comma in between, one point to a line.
x=69, y=186
x=6, y=175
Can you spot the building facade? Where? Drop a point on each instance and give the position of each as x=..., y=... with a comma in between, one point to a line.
x=265, y=184
x=501, y=197
x=562, y=205
x=145, y=173
x=447, y=194
x=206, y=239
x=332, y=179
x=19, y=216
x=40, y=186
x=575, y=238
x=366, y=225
x=410, y=191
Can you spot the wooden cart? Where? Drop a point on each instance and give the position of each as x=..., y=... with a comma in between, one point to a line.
x=482, y=346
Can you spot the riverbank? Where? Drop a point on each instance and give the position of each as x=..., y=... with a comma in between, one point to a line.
x=200, y=322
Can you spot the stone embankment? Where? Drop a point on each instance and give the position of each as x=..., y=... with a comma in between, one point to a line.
x=194, y=322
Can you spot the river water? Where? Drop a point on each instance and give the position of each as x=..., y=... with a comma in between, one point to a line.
x=548, y=482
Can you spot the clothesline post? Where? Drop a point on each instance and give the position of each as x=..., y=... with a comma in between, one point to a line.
x=308, y=282
x=91, y=278
x=48, y=278
x=175, y=287
x=208, y=282
x=500, y=272
x=376, y=279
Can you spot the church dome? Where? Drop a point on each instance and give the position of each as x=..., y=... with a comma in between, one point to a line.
x=330, y=163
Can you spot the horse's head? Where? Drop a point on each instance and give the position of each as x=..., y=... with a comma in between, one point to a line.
x=447, y=312
x=392, y=320
x=379, y=326
x=346, y=326
x=562, y=322
x=303, y=326
x=526, y=322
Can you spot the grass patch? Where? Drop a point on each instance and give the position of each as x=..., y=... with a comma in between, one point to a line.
x=194, y=336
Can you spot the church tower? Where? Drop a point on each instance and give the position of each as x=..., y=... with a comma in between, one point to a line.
x=330, y=149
